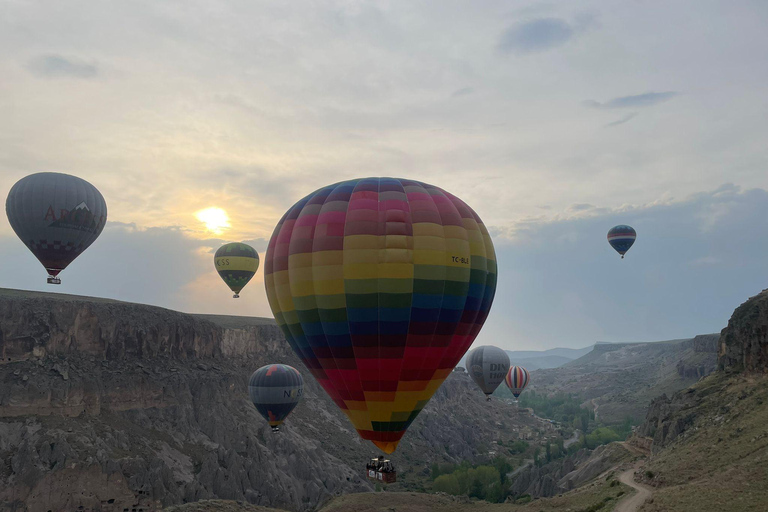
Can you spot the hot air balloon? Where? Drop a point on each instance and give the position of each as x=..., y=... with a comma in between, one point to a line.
x=380, y=286
x=517, y=379
x=57, y=216
x=275, y=389
x=236, y=263
x=621, y=238
x=487, y=366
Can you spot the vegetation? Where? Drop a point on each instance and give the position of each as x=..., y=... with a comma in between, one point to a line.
x=566, y=409
x=518, y=447
x=482, y=482
x=561, y=407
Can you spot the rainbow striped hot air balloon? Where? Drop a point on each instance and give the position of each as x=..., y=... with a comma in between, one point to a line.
x=380, y=286
x=621, y=238
x=517, y=379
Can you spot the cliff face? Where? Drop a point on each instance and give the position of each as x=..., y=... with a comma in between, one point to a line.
x=569, y=473
x=742, y=346
x=744, y=343
x=34, y=326
x=115, y=406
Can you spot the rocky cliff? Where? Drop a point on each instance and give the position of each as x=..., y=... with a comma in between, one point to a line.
x=742, y=346
x=569, y=473
x=744, y=342
x=123, y=407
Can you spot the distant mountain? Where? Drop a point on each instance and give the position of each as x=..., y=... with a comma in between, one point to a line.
x=539, y=363
x=542, y=359
x=568, y=353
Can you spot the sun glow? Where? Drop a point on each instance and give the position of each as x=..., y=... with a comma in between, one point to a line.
x=215, y=219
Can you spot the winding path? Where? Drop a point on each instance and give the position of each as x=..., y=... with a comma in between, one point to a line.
x=634, y=502
x=574, y=438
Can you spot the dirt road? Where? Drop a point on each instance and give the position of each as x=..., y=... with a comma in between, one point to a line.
x=634, y=502
x=573, y=439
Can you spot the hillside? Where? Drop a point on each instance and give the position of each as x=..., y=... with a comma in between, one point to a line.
x=108, y=405
x=710, y=442
x=710, y=446
x=620, y=380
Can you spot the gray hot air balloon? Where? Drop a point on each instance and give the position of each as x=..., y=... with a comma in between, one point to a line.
x=487, y=366
x=57, y=216
x=275, y=389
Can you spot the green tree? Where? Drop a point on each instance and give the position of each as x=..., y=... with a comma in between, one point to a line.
x=600, y=436
x=435, y=470
x=503, y=466
x=447, y=483
x=549, y=452
x=476, y=489
x=494, y=494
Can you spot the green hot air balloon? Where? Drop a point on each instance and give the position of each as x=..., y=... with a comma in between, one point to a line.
x=57, y=216
x=236, y=263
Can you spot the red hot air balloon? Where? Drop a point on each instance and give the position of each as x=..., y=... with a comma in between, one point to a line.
x=380, y=285
x=517, y=379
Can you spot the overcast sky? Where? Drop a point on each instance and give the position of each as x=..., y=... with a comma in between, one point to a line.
x=554, y=121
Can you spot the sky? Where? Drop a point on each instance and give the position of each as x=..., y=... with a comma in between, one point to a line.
x=554, y=121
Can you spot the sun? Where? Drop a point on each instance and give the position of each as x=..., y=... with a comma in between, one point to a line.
x=215, y=219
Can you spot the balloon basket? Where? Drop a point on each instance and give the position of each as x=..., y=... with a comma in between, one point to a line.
x=275, y=430
x=380, y=470
x=235, y=296
x=53, y=280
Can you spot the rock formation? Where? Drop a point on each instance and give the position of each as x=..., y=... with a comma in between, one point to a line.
x=122, y=407
x=569, y=473
x=742, y=346
x=744, y=342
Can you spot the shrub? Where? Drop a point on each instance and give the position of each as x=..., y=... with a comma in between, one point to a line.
x=446, y=483
x=525, y=498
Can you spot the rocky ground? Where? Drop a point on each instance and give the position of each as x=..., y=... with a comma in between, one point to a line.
x=114, y=406
x=570, y=473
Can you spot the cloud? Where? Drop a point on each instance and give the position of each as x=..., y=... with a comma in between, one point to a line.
x=157, y=266
x=56, y=66
x=535, y=36
x=637, y=101
x=692, y=264
x=622, y=120
x=463, y=91
x=581, y=207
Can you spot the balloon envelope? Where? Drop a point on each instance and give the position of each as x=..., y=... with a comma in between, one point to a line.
x=57, y=216
x=380, y=285
x=621, y=238
x=236, y=264
x=275, y=389
x=487, y=366
x=517, y=379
